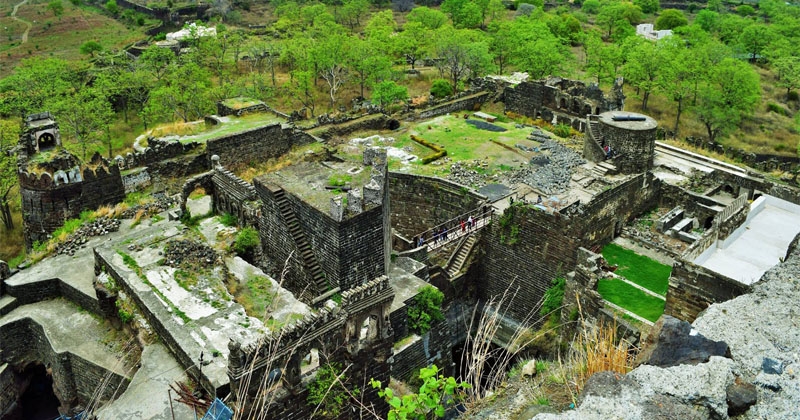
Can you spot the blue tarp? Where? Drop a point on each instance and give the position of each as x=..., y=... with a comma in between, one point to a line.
x=218, y=411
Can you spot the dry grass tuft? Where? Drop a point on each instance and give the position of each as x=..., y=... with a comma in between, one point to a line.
x=179, y=129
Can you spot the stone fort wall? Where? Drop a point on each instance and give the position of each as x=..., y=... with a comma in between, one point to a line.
x=566, y=101
x=546, y=244
x=420, y=202
x=47, y=203
x=256, y=145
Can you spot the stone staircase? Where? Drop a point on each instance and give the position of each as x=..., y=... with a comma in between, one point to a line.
x=310, y=262
x=594, y=132
x=456, y=263
x=604, y=168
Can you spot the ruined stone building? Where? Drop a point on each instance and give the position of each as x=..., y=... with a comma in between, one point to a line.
x=344, y=247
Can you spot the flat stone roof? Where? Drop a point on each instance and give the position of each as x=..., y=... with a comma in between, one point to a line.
x=308, y=180
x=647, y=124
x=758, y=244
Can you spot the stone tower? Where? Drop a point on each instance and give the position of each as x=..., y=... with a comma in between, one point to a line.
x=57, y=186
x=630, y=137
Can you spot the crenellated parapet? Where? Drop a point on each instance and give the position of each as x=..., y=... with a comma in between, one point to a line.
x=354, y=332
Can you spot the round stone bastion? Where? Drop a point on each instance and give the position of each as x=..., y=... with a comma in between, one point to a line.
x=632, y=138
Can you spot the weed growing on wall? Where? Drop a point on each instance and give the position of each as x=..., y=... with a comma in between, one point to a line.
x=426, y=309
x=246, y=241
x=327, y=391
x=436, y=394
x=509, y=227
x=552, y=299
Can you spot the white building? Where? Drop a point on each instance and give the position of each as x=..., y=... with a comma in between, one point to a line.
x=646, y=30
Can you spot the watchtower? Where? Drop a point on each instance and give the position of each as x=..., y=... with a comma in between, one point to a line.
x=41, y=133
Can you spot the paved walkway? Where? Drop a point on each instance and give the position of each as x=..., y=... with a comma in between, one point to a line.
x=642, y=288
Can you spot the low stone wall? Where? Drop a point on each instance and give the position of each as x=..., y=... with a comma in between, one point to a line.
x=466, y=103
x=256, y=145
x=693, y=288
x=38, y=291
x=433, y=347
x=368, y=122
x=136, y=180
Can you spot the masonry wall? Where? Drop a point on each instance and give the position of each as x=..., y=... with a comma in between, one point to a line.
x=33, y=292
x=8, y=391
x=432, y=348
x=635, y=147
x=47, y=204
x=74, y=379
x=277, y=242
x=466, y=103
x=693, y=288
x=420, y=203
x=256, y=145
x=235, y=196
x=566, y=101
x=546, y=245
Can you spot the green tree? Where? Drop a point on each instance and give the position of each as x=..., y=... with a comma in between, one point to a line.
x=671, y=19
x=536, y=50
x=57, y=7
x=351, y=12
x=647, y=6
x=435, y=395
x=676, y=79
x=183, y=94
x=301, y=87
x=84, y=118
x=427, y=17
x=745, y=10
x=111, y=6
x=413, y=42
x=603, y=61
x=463, y=13
x=367, y=65
x=730, y=94
x=35, y=83
x=641, y=70
x=591, y=7
x=787, y=70
x=462, y=54
x=388, y=92
x=91, y=47
x=616, y=19
x=332, y=55
x=754, y=39
x=441, y=88
x=328, y=392
x=707, y=20
x=9, y=134
x=426, y=309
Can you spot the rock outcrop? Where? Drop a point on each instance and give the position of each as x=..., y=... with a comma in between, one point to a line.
x=758, y=381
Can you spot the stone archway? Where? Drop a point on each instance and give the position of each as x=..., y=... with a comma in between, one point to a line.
x=46, y=141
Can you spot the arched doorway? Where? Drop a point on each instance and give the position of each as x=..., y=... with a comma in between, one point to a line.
x=46, y=141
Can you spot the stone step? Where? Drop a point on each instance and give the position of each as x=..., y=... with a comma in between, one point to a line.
x=7, y=304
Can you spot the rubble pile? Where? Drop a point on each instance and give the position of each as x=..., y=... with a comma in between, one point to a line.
x=79, y=238
x=553, y=177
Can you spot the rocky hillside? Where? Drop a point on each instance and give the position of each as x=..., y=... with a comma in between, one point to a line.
x=740, y=359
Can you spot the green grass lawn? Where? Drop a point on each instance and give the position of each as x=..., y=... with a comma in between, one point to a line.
x=639, y=269
x=620, y=293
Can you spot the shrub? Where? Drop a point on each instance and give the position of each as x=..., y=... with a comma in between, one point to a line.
x=441, y=88
x=745, y=10
x=671, y=19
x=426, y=309
x=436, y=394
x=562, y=130
x=793, y=95
x=591, y=6
x=229, y=220
x=328, y=392
x=246, y=241
x=552, y=298
x=773, y=107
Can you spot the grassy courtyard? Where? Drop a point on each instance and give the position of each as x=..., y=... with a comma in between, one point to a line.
x=640, y=270
x=620, y=293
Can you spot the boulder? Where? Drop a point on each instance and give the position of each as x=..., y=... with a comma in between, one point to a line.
x=741, y=396
x=671, y=342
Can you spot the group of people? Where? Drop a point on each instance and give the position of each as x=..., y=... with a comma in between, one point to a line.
x=441, y=233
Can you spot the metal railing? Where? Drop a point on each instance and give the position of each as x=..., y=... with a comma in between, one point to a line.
x=451, y=229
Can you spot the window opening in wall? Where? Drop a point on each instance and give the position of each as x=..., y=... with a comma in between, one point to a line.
x=708, y=222
x=310, y=361
x=46, y=141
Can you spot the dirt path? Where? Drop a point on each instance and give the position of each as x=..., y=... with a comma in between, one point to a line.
x=28, y=24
